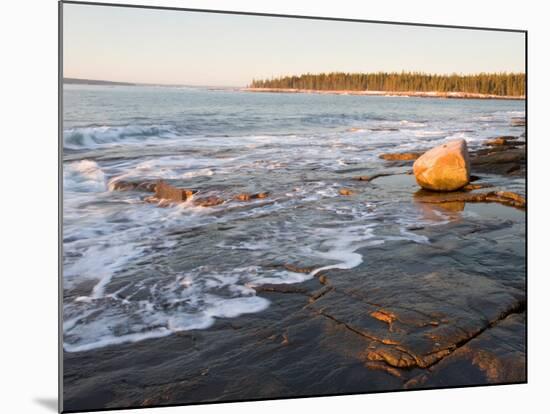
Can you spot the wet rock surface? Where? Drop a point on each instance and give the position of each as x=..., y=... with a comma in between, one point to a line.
x=401, y=156
x=209, y=201
x=346, y=191
x=448, y=311
x=122, y=185
x=508, y=159
x=494, y=356
x=166, y=191
x=303, y=292
x=518, y=122
x=248, y=196
x=505, y=155
x=504, y=197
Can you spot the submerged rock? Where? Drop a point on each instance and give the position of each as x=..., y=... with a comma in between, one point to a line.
x=298, y=269
x=390, y=129
x=248, y=197
x=168, y=192
x=371, y=177
x=160, y=202
x=121, y=185
x=401, y=156
x=517, y=122
x=346, y=191
x=444, y=168
x=497, y=141
x=242, y=197
x=209, y=201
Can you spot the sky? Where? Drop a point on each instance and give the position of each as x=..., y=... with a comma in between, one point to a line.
x=197, y=48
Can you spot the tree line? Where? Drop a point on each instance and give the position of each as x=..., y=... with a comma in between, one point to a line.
x=510, y=84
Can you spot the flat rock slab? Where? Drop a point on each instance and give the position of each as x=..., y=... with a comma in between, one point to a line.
x=375, y=328
x=495, y=356
x=446, y=310
x=505, y=162
x=424, y=321
x=451, y=199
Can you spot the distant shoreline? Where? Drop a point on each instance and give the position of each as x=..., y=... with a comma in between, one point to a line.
x=76, y=81
x=99, y=82
x=448, y=95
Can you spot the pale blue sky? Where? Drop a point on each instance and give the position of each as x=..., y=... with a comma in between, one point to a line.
x=179, y=47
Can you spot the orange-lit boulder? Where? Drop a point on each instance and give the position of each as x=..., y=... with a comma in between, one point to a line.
x=444, y=168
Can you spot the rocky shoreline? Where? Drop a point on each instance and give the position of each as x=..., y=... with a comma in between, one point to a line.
x=449, y=95
x=446, y=313
x=344, y=332
x=503, y=155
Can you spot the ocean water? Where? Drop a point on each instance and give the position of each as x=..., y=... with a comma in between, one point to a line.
x=134, y=271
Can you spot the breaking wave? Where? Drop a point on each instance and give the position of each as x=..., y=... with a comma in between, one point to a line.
x=97, y=136
x=83, y=176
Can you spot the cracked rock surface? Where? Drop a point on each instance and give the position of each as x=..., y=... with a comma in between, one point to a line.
x=438, y=301
x=448, y=312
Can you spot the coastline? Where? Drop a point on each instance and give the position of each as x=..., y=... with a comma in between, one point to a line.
x=240, y=199
x=343, y=322
x=445, y=95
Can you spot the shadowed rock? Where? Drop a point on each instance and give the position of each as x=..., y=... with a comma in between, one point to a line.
x=497, y=141
x=507, y=161
x=209, y=201
x=404, y=334
x=280, y=288
x=517, y=122
x=390, y=129
x=495, y=356
x=121, y=185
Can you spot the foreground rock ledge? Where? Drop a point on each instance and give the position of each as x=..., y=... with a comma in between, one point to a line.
x=507, y=198
x=444, y=168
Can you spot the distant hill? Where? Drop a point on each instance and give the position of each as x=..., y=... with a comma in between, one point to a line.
x=94, y=82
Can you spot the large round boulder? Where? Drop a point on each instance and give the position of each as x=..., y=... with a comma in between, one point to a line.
x=444, y=168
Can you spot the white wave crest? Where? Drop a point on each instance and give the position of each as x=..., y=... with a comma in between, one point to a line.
x=97, y=136
x=83, y=176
